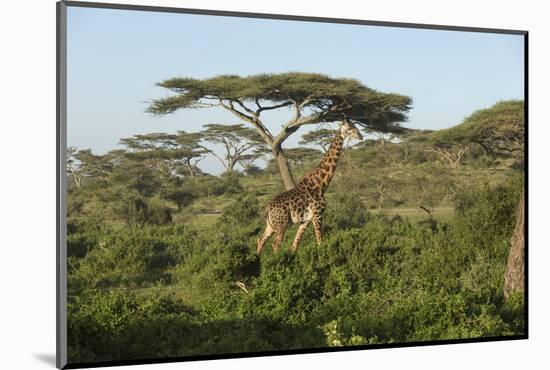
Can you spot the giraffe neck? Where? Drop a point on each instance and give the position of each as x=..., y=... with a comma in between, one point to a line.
x=327, y=167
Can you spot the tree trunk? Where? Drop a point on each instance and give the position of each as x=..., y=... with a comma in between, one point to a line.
x=77, y=180
x=284, y=169
x=514, y=277
x=190, y=170
x=231, y=164
x=453, y=159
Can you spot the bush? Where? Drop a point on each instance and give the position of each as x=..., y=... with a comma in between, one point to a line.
x=122, y=325
x=374, y=279
x=132, y=258
x=243, y=211
x=136, y=210
x=182, y=197
x=133, y=210
x=487, y=214
x=158, y=213
x=235, y=261
x=345, y=211
x=232, y=184
x=82, y=236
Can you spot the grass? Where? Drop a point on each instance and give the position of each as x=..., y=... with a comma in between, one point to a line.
x=416, y=215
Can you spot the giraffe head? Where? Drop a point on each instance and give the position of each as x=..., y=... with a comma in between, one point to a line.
x=347, y=129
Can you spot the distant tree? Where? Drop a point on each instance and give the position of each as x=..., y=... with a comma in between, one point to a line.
x=181, y=196
x=382, y=138
x=149, y=142
x=190, y=151
x=300, y=156
x=449, y=153
x=82, y=164
x=134, y=168
x=115, y=157
x=313, y=98
x=156, y=150
x=72, y=166
x=500, y=130
x=444, y=144
x=239, y=143
x=320, y=137
x=172, y=155
x=247, y=162
x=136, y=175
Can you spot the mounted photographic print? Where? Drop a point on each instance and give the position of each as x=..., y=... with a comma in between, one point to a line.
x=238, y=184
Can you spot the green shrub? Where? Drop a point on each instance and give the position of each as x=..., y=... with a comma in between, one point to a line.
x=373, y=279
x=345, y=211
x=182, y=197
x=132, y=257
x=137, y=211
x=133, y=210
x=158, y=213
x=122, y=325
x=243, y=211
x=486, y=215
x=232, y=184
x=82, y=236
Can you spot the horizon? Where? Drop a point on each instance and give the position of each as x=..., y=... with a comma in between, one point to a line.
x=112, y=69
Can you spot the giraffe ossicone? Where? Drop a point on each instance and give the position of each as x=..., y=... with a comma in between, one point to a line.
x=305, y=203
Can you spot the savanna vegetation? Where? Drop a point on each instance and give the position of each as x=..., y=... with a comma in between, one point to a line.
x=417, y=230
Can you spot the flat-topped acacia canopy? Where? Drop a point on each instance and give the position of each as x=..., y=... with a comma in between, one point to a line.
x=314, y=98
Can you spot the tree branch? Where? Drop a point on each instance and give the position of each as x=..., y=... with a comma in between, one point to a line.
x=205, y=105
x=264, y=132
x=215, y=155
x=248, y=110
x=294, y=124
x=261, y=109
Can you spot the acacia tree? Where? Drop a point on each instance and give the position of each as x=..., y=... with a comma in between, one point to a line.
x=72, y=166
x=237, y=141
x=167, y=153
x=189, y=151
x=312, y=98
x=444, y=143
x=320, y=137
x=500, y=130
x=155, y=150
x=301, y=155
x=83, y=164
x=247, y=162
x=452, y=154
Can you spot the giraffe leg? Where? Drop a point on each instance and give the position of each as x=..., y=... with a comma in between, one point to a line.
x=266, y=235
x=299, y=235
x=279, y=234
x=317, y=226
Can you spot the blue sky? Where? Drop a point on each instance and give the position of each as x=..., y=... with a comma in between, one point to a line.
x=115, y=57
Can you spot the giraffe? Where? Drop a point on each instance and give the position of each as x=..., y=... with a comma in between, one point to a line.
x=305, y=203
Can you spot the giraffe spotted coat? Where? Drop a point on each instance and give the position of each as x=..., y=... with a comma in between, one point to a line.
x=305, y=203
